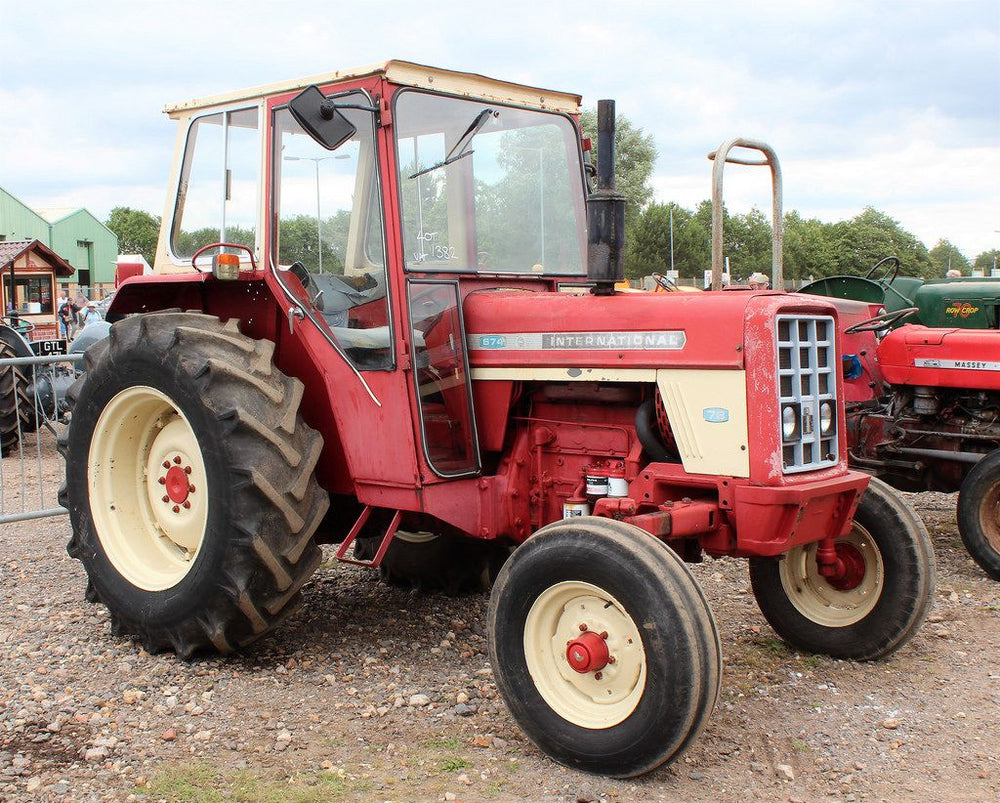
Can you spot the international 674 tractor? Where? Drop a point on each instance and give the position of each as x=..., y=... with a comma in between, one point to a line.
x=383, y=316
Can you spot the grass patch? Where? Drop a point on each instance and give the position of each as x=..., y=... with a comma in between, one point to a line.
x=190, y=782
x=454, y=764
x=442, y=743
x=206, y=783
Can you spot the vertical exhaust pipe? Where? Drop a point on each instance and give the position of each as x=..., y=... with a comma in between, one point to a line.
x=605, y=211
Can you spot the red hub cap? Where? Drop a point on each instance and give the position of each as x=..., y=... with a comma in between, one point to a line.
x=587, y=653
x=851, y=568
x=176, y=485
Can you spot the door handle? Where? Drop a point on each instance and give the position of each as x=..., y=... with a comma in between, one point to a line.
x=293, y=313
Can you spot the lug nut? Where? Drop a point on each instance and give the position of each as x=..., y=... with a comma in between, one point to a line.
x=187, y=469
x=166, y=498
x=190, y=489
x=162, y=480
x=187, y=505
x=612, y=659
x=583, y=626
x=166, y=464
x=598, y=675
x=604, y=635
x=177, y=459
x=176, y=509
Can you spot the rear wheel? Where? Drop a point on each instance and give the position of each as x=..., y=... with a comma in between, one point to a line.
x=189, y=480
x=878, y=600
x=979, y=513
x=603, y=646
x=15, y=404
x=432, y=562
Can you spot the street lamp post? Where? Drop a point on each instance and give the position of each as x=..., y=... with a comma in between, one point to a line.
x=319, y=224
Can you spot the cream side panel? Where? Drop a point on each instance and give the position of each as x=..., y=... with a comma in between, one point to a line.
x=162, y=262
x=691, y=398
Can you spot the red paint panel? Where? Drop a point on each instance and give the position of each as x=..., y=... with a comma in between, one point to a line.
x=956, y=358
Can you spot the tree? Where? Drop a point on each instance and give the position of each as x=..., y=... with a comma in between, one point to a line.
x=137, y=231
x=944, y=257
x=635, y=153
x=863, y=240
x=987, y=261
x=807, y=251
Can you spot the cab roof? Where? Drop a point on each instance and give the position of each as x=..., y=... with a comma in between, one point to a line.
x=403, y=73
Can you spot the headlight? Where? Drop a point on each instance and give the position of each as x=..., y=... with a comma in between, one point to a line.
x=827, y=416
x=789, y=421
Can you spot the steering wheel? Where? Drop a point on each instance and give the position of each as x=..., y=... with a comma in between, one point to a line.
x=18, y=323
x=883, y=321
x=665, y=283
x=888, y=274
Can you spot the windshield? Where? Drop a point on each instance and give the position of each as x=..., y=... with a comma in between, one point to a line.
x=488, y=188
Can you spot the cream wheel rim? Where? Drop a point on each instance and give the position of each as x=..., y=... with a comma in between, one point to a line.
x=599, y=699
x=819, y=601
x=148, y=488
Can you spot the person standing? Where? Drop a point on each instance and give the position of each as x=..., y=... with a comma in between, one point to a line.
x=65, y=313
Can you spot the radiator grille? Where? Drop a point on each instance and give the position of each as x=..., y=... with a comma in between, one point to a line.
x=807, y=388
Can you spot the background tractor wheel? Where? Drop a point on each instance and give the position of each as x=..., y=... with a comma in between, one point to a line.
x=15, y=404
x=879, y=602
x=189, y=481
x=603, y=646
x=979, y=513
x=447, y=563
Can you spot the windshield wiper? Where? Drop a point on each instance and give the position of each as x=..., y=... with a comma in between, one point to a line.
x=463, y=142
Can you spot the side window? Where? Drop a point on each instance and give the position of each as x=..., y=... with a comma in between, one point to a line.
x=330, y=234
x=441, y=369
x=218, y=191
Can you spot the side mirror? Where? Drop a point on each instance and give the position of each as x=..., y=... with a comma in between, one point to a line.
x=320, y=118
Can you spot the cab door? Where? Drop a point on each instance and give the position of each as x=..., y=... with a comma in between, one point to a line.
x=442, y=379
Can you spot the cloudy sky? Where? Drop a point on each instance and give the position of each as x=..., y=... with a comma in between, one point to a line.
x=884, y=103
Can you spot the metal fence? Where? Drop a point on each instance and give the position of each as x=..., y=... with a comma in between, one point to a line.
x=32, y=470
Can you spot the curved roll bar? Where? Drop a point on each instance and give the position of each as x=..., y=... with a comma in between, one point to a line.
x=720, y=157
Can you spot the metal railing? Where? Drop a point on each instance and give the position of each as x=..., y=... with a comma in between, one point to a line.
x=27, y=490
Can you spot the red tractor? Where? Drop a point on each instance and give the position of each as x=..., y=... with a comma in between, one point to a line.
x=922, y=401
x=401, y=334
x=925, y=415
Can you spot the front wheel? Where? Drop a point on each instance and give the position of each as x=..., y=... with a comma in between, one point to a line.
x=603, y=646
x=979, y=513
x=878, y=600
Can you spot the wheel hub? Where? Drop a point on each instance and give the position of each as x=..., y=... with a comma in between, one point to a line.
x=850, y=568
x=176, y=483
x=588, y=653
x=144, y=463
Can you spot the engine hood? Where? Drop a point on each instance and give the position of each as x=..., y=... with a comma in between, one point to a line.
x=627, y=330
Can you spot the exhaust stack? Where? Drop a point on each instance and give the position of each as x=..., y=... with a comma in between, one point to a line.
x=605, y=211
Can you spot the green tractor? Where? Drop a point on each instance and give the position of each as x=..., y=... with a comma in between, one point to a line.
x=963, y=303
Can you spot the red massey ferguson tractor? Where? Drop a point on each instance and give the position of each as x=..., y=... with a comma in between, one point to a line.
x=412, y=345
x=925, y=415
x=923, y=401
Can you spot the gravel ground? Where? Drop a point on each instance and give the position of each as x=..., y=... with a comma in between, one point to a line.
x=374, y=693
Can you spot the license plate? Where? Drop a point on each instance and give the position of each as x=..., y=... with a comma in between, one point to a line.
x=43, y=348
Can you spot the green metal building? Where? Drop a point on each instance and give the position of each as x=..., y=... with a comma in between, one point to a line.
x=73, y=233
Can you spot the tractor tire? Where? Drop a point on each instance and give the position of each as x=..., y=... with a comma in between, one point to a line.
x=446, y=563
x=15, y=403
x=189, y=482
x=603, y=647
x=880, y=602
x=979, y=513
